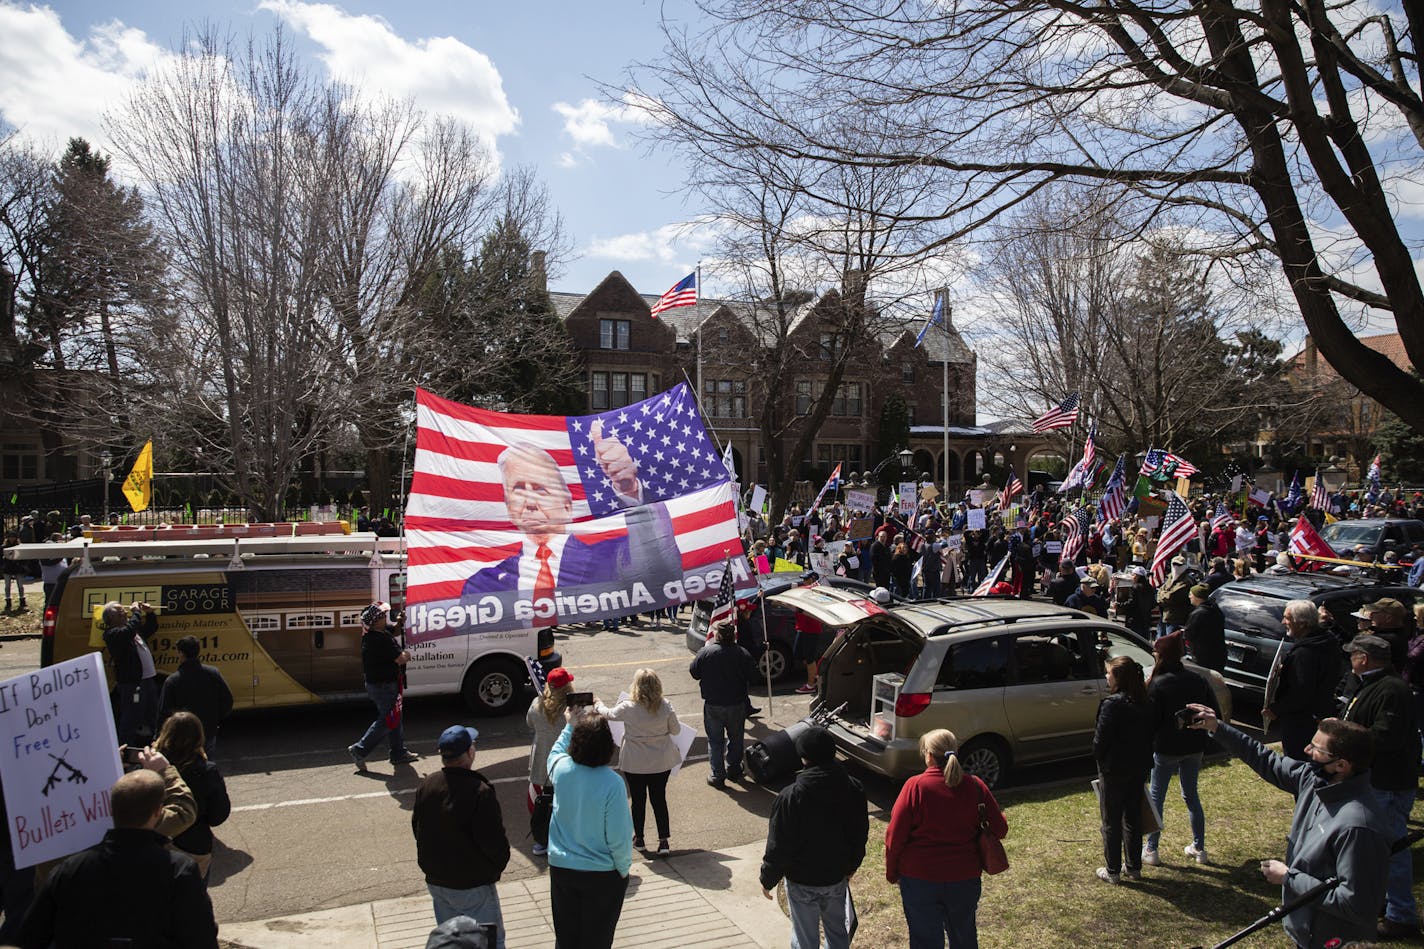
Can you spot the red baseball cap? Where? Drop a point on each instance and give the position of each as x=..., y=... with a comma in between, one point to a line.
x=560, y=677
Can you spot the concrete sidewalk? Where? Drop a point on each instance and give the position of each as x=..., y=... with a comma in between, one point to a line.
x=694, y=898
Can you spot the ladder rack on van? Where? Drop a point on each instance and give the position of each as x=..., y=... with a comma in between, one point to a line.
x=234, y=544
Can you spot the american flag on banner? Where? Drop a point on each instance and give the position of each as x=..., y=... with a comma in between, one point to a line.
x=1170, y=465
x=520, y=520
x=1222, y=516
x=994, y=577
x=1012, y=489
x=1114, y=500
x=1062, y=415
x=1319, y=497
x=1075, y=533
x=682, y=293
x=1305, y=542
x=724, y=606
x=1178, y=528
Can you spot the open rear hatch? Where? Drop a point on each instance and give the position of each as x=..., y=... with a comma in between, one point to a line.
x=865, y=664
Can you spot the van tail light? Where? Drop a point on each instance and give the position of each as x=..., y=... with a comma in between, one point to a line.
x=47, y=624
x=910, y=704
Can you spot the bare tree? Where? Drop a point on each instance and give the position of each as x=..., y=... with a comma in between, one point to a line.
x=1252, y=122
x=227, y=142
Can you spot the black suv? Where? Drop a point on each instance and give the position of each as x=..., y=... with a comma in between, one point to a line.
x=1253, y=608
x=1378, y=535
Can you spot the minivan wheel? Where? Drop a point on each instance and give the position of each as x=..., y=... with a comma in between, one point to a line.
x=987, y=759
x=493, y=685
x=774, y=662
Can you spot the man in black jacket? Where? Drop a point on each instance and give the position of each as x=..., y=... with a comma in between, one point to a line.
x=880, y=559
x=382, y=660
x=1064, y=585
x=127, y=890
x=1304, y=685
x=1379, y=699
x=194, y=687
x=126, y=635
x=459, y=834
x=1219, y=575
x=1206, y=630
x=815, y=841
x=722, y=668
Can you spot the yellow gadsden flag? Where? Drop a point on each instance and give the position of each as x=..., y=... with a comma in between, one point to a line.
x=138, y=486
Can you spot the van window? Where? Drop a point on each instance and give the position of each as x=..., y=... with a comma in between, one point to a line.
x=1041, y=658
x=1112, y=644
x=976, y=664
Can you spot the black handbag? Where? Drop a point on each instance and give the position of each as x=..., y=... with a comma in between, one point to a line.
x=543, y=811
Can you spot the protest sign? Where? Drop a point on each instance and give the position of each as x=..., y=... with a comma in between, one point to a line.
x=976, y=497
x=821, y=562
x=929, y=492
x=860, y=500
x=975, y=517
x=758, y=502
x=861, y=528
x=57, y=731
x=955, y=540
x=907, y=497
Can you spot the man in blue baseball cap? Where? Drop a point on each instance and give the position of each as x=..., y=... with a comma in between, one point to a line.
x=460, y=842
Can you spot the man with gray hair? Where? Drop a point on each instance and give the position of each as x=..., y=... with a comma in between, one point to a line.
x=1301, y=691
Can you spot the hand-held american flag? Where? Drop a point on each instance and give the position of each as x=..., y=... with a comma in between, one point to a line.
x=1062, y=415
x=1012, y=489
x=832, y=484
x=1319, y=497
x=994, y=577
x=1114, y=499
x=682, y=293
x=1178, y=527
x=1222, y=516
x=724, y=605
x=1075, y=533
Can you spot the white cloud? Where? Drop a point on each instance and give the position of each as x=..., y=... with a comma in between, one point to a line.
x=440, y=74
x=54, y=85
x=590, y=123
x=659, y=245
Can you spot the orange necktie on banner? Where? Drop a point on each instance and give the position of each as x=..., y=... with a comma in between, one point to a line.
x=544, y=585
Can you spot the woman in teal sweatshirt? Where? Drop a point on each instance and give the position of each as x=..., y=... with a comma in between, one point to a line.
x=590, y=834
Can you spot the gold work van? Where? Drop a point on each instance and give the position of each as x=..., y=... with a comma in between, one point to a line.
x=279, y=616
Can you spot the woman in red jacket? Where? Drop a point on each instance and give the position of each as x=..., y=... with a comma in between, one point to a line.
x=930, y=847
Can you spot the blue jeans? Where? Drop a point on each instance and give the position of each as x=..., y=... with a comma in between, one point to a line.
x=813, y=907
x=480, y=904
x=936, y=910
x=723, y=725
x=384, y=695
x=1399, y=889
x=1186, y=767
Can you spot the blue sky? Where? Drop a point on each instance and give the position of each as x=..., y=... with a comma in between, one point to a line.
x=523, y=73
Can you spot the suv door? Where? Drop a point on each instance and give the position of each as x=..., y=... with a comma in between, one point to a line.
x=1052, y=698
x=1253, y=635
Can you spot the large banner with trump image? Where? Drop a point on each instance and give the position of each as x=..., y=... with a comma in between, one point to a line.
x=516, y=521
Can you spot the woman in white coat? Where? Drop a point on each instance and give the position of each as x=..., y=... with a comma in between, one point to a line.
x=649, y=754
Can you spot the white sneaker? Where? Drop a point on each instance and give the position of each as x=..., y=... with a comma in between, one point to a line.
x=1150, y=858
x=1200, y=856
x=1107, y=877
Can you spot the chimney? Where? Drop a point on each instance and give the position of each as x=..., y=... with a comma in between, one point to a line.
x=1312, y=355
x=538, y=274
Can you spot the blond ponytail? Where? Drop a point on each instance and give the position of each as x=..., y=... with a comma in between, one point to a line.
x=941, y=745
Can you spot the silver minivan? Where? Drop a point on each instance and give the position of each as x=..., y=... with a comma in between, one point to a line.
x=1017, y=681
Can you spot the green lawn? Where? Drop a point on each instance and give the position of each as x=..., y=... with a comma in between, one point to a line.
x=1050, y=897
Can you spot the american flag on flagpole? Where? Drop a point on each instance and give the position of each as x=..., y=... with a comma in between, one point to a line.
x=1114, y=500
x=1012, y=489
x=724, y=605
x=1082, y=473
x=458, y=520
x=1062, y=415
x=682, y=293
x=1075, y=533
x=1319, y=497
x=1178, y=528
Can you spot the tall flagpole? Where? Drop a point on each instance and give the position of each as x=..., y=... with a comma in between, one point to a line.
x=944, y=390
x=699, y=334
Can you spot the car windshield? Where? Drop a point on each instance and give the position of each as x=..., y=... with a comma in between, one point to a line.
x=1251, y=613
x=1349, y=533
